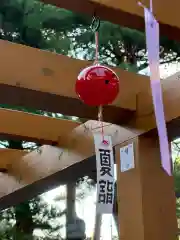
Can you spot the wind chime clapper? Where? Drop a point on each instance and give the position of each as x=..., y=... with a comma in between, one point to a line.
x=153, y=52
x=97, y=85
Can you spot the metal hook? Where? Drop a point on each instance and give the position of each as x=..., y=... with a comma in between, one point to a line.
x=95, y=24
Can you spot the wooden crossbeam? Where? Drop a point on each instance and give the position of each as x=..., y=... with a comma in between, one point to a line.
x=48, y=160
x=49, y=166
x=27, y=168
x=9, y=157
x=39, y=171
x=128, y=13
x=77, y=147
x=52, y=93
x=132, y=7
x=145, y=118
x=8, y=181
x=33, y=127
x=45, y=184
x=135, y=92
x=46, y=81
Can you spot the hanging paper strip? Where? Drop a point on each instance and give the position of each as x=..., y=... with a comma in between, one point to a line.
x=105, y=174
x=152, y=42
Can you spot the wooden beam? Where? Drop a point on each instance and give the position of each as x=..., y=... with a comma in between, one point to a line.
x=8, y=182
x=76, y=147
x=145, y=194
x=145, y=118
x=56, y=74
x=48, y=160
x=9, y=157
x=79, y=145
x=127, y=13
x=134, y=95
x=33, y=127
x=44, y=86
x=26, y=168
x=132, y=7
x=30, y=191
x=49, y=167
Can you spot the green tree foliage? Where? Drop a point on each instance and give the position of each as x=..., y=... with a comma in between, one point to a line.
x=20, y=222
x=46, y=27
x=177, y=184
x=22, y=22
x=122, y=47
x=176, y=173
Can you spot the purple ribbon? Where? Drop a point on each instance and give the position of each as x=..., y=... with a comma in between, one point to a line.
x=152, y=43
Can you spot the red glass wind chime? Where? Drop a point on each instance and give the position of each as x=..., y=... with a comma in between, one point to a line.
x=97, y=85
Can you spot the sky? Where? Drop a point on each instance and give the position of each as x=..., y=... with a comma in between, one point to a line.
x=166, y=70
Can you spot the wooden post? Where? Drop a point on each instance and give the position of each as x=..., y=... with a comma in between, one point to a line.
x=146, y=198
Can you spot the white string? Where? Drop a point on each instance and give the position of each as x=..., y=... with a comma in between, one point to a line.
x=97, y=47
x=141, y=4
x=151, y=6
x=111, y=226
